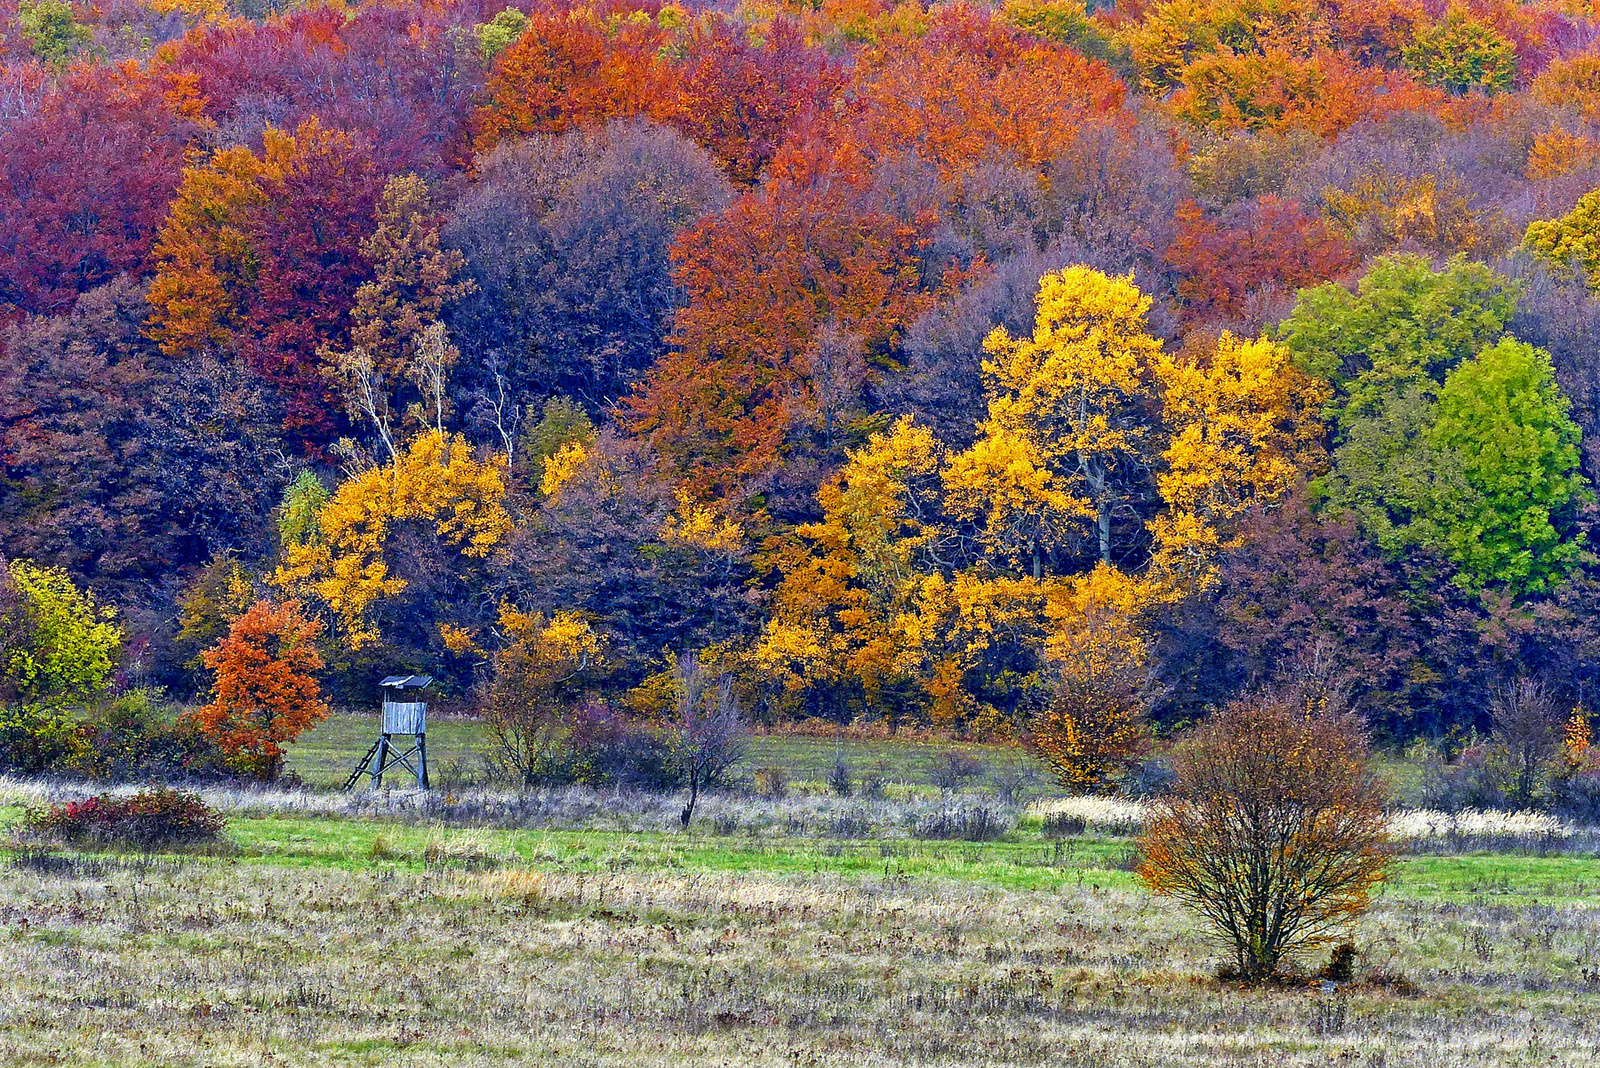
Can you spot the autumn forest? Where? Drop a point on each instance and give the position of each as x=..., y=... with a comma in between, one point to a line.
x=1013, y=372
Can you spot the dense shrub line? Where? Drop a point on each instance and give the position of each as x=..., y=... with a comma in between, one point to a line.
x=157, y=817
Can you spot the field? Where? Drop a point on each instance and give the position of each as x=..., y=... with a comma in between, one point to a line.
x=576, y=928
x=325, y=754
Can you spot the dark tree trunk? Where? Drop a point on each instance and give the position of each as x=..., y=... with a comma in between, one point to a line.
x=694, y=795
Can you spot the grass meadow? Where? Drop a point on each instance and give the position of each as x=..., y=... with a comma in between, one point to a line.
x=579, y=928
x=324, y=755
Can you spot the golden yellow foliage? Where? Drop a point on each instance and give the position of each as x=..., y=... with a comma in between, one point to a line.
x=1579, y=739
x=203, y=10
x=1382, y=210
x=459, y=640
x=561, y=466
x=569, y=637
x=1244, y=428
x=565, y=636
x=1557, y=152
x=1094, y=727
x=1572, y=240
x=195, y=305
x=966, y=625
x=1066, y=426
x=1572, y=82
x=436, y=482
x=694, y=526
x=832, y=614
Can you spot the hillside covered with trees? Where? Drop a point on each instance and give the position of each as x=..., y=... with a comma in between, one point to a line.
x=1011, y=371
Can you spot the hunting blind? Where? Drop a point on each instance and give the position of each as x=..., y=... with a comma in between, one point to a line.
x=404, y=714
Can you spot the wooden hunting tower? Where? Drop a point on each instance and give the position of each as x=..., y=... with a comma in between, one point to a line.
x=404, y=713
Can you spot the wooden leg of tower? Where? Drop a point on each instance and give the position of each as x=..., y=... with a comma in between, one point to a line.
x=422, y=762
x=379, y=761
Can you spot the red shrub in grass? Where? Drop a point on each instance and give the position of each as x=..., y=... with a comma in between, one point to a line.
x=152, y=817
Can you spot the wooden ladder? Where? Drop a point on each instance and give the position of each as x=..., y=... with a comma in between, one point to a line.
x=363, y=767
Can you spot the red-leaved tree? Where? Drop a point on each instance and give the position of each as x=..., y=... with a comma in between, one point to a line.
x=266, y=691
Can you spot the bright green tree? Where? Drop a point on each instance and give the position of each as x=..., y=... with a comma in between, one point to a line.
x=1503, y=423
x=1385, y=466
x=499, y=33
x=303, y=500
x=53, y=35
x=1449, y=436
x=1404, y=321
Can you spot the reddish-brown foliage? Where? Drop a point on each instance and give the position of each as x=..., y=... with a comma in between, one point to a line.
x=1274, y=830
x=809, y=250
x=85, y=176
x=149, y=818
x=401, y=75
x=972, y=91
x=566, y=70
x=739, y=100
x=266, y=691
x=263, y=256
x=1270, y=246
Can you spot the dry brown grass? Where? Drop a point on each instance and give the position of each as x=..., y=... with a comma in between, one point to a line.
x=196, y=962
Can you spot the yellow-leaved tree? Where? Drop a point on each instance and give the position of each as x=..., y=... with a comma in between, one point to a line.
x=1066, y=447
x=1001, y=588
x=1094, y=727
x=833, y=616
x=435, y=488
x=1244, y=428
x=529, y=711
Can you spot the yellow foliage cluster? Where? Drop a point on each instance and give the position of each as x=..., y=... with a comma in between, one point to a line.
x=1243, y=429
x=1570, y=241
x=1381, y=210
x=563, y=637
x=1099, y=655
x=1579, y=739
x=1571, y=82
x=561, y=466
x=694, y=526
x=927, y=568
x=836, y=610
x=203, y=10
x=436, y=482
x=458, y=639
x=569, y=637
x=1066, y=416
x=1557, y=152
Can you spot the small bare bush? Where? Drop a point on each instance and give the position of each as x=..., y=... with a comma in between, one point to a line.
x=706, y=737
x=976, y=824
x=772, y=782
x=840, y=779
x=1274, y=830
x=1530, y=728
x=955, y=769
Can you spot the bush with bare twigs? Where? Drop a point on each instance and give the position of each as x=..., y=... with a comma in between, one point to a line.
x=1273, y=831
x=705, y=736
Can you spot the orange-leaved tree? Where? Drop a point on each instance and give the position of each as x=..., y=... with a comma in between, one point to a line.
x=568, y=69
x=1274, y=830
x=1094, y=729
x=266, y=691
